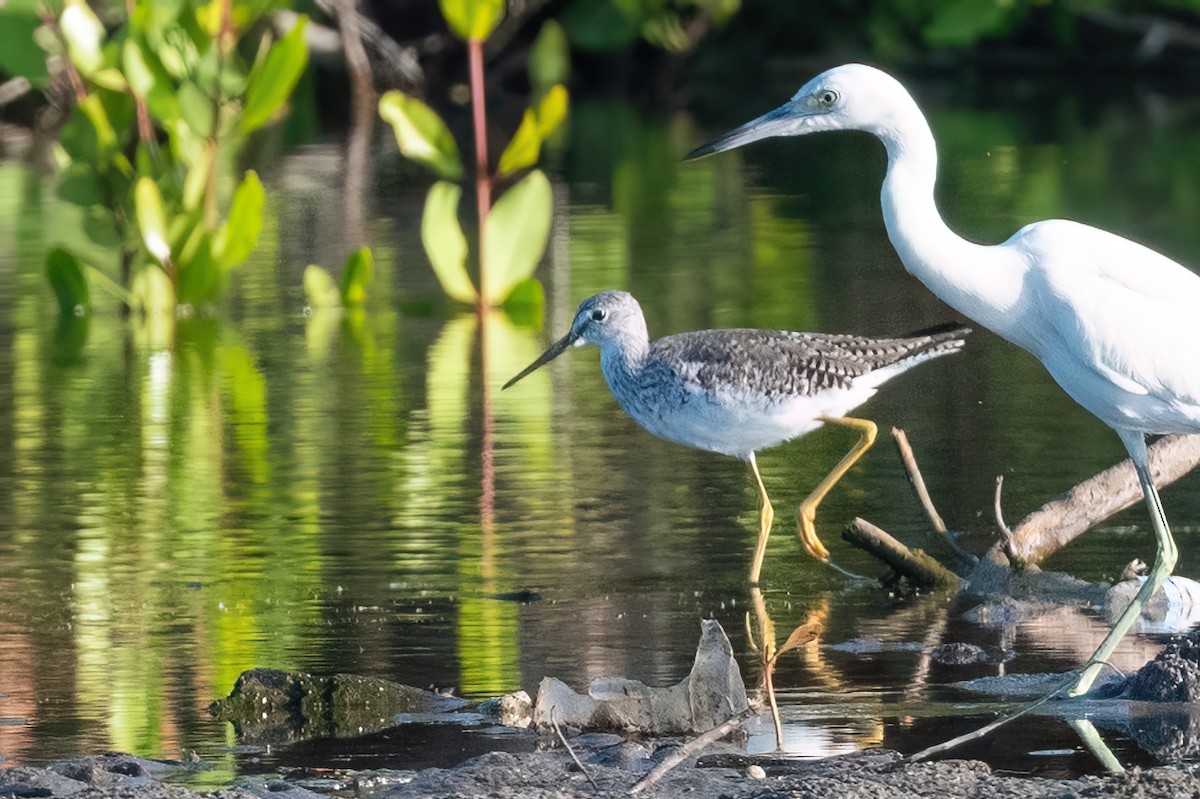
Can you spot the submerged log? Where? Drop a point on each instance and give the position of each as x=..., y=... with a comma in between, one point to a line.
x=915, y=565
x=1062, y=520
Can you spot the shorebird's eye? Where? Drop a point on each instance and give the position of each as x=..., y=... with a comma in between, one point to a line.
x=599, y=314
x=828, y=97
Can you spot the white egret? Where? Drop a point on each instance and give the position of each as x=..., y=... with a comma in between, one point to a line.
x=1116, y=324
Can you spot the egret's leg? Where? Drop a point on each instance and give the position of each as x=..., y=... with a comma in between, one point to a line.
x=1164, y=563
x=766, y=516
x=806, y=515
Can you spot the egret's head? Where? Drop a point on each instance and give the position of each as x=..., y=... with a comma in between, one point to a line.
x=849, y=97
x=610, y=317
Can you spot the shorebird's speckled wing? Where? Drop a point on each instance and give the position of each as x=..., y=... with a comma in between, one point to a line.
x=779, y=364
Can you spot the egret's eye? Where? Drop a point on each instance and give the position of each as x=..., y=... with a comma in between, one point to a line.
x=827, y=97
x=599, y=314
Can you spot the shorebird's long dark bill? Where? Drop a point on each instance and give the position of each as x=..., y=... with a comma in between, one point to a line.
x=555, y=350
x=779, y=122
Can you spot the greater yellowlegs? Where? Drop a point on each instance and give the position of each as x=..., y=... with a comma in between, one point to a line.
x=1115, y=323
x=739, y=391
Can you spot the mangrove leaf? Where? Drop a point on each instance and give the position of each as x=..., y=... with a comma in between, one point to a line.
x=549, y=57
x=444, y=241
x=356, y=276
x=472, y=19
x=84, y=35
x=151, y=218
x=319, y=288
x=523, y=150
x=269, y=87
x=65, y=274
x=536, y=126
x=421, y=134
x=237, y=237
x=515, y=236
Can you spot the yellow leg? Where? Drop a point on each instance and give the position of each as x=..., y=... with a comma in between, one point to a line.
x=766, y=515
x=806, y=515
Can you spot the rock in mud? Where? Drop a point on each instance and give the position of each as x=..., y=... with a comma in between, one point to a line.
x=273, y=706
x=1173, y=676
x=712, y=693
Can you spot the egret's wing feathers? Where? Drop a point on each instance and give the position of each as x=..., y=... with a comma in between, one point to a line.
x=1113, y=306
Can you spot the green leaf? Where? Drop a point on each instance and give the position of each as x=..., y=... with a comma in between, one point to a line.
x=80, y=185
x=523, y=150
x=65, y=274
x=472, y=19
x=150, y=81
x=549, y=56
x=515, y=235
x=196, y=108
x=151, y=218
x=210, y=18
x=92, y=107
x=552, y=110
x=536, y=126
x=110, y=78
x=356, y=276
x=320, y=289
x=20, y=55
x=421, y=134
x=526, y=304
x=195, y=185
x=84, y=35
x=100, y=226
x=238, y=236
x=201, y=279
x=444, y=241
x=269, y=88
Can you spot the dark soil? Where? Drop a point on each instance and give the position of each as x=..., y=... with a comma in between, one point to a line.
x=553, y=775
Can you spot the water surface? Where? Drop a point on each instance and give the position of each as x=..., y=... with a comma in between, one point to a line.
x=292, y=490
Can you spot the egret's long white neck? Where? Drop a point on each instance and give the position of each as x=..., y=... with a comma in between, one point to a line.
x=981, y=282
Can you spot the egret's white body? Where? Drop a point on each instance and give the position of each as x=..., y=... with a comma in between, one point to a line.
x=1115, y=323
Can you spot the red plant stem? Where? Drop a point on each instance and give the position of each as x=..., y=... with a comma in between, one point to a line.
x=483, y=177
x=483, y=204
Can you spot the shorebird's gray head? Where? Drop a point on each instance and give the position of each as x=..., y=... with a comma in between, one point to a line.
x=605, y=319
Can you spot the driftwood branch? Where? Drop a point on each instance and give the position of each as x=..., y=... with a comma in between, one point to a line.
x=571, y=750
x=916, y=480
x=690, y=748
x=1060, y=521
x=1003, y=528
x=962, y=561
x=920, y=568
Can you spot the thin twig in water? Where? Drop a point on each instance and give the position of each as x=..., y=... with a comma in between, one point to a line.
x=916, y=480
x=570, y=751
x=1000, y=525
x=688, y=749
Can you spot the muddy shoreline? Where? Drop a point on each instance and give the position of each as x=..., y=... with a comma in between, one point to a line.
x=1159, y=706
x=612, y=770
